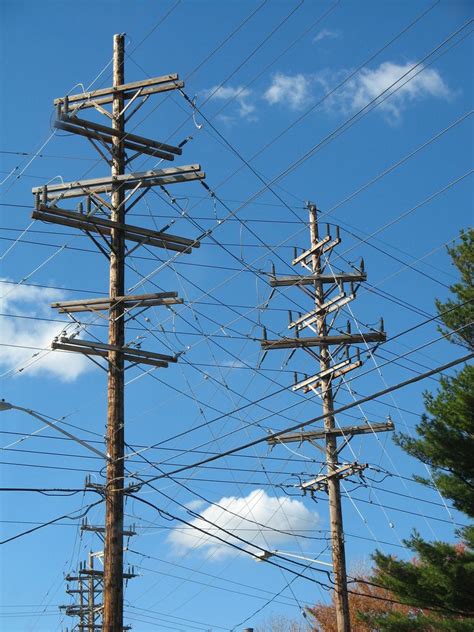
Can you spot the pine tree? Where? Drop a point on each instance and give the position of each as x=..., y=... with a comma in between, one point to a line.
x=440, y=579
x=445, y=439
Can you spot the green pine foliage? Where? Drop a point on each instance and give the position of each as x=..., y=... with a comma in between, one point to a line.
x=438, y=584
x=445, y=439
x=457, y=313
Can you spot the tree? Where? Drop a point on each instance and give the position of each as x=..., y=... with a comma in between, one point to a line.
x=457, y=313
x=280, y=623
x=364, y=597
x=438, y=582
x=440, y=579
x=445, y=439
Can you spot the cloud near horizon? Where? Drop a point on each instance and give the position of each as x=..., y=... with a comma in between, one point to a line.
x=282, y=513
x=23, y=300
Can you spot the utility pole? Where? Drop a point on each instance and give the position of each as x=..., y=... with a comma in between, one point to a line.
x=101, y=215
x=88, y=581
x=113, y=558
x=334, y=493
x=331, y=367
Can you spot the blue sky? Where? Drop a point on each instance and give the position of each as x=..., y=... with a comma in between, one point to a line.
x=281, y=89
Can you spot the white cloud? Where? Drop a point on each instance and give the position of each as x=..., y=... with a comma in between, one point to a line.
x=241, y=95
x=195, y=505
x=292, y=90
x=282, y=513
x=25, y=300
x=325, y=34
x=368, y=84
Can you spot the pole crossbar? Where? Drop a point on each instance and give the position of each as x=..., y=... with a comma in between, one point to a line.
x=129, y=354
x=130, y=301
x=81, y=221
x=311, y=435
x=127, y=91
x=156, y=177
x=317, y=341
x=309, y=279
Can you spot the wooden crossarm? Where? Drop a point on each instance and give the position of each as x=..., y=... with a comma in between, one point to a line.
x=317, y=341
x=127, y=90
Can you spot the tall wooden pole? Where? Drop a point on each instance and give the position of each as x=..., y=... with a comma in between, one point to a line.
x=113, y=552
x=335, y=509
x=114, y=231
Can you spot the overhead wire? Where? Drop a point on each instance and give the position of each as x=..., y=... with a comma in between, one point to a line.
x=339, y=410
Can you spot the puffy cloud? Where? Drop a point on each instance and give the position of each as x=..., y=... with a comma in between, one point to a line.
x=413, y=86
x=23, y=300
x=241, y=95
x=282, y=513
x=292, y=90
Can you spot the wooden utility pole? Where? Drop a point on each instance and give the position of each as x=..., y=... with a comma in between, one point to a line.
x=102, y=217
x=113, y=558
x=335, y=510
x=88, y=586
x=331, y=368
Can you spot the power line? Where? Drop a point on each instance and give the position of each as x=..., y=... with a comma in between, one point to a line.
x=72, y=516
x=338, y=411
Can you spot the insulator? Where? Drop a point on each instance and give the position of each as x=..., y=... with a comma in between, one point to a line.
x=362, y=265
x=273, y=270
x=264, y=333
x=348, y=326
x=290, y=316
x=80, y=207
x=338, y=233
x=295, y=252
x=45, y=194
